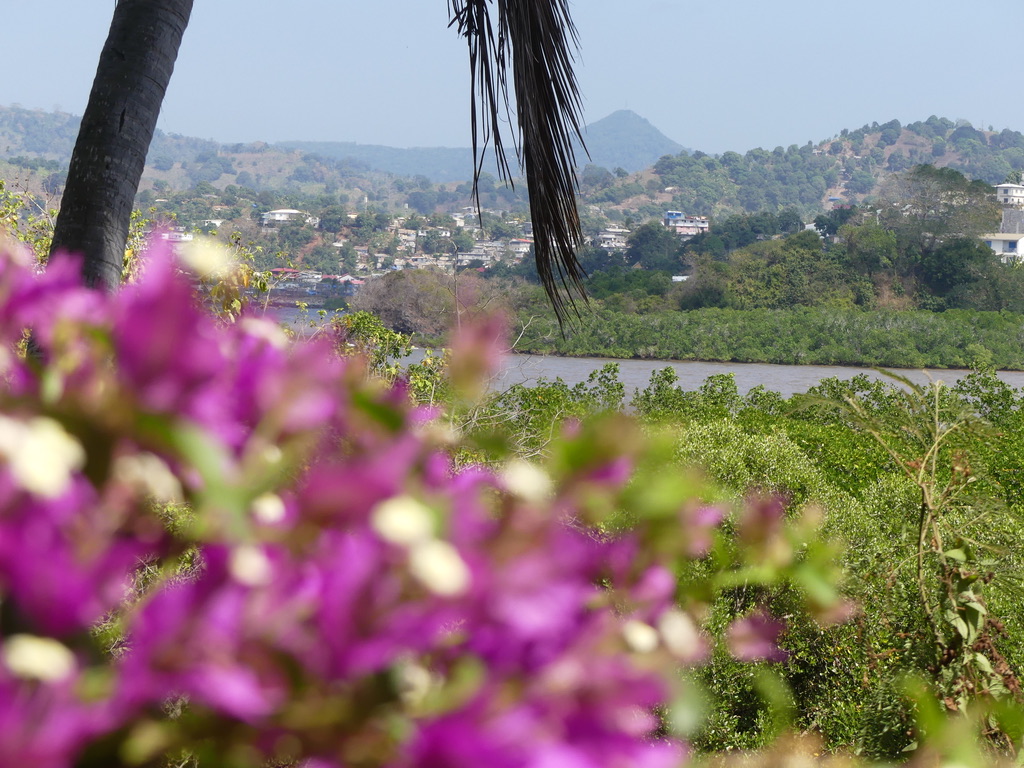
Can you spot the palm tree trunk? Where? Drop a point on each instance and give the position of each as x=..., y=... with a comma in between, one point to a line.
x=120, y=118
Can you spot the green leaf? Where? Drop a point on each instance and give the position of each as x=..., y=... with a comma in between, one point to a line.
x=779, y=698
x=981, y=662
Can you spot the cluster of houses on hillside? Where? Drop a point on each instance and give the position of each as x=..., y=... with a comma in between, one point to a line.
x=484, y=253
x=408, y=254
x=1007, y=243
x=616, y=238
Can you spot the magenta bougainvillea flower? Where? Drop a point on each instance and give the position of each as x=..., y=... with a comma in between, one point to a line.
x=215, y=538
x=755, y=637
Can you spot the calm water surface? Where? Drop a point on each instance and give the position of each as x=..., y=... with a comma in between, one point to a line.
x=636, y=374
x=784, y=379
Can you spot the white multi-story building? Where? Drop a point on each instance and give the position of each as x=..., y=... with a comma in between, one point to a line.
x=1006, y=245
x=613, y=238
x=1010, y=195
x=684, y=225
x=520, y=246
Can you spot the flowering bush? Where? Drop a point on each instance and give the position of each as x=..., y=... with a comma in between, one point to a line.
x=219, y=544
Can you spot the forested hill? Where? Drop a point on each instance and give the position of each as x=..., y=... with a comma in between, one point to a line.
x=848, y=167
x=37, y=134
x=40, y=135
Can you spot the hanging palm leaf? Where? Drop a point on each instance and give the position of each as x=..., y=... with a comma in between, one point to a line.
x=535, y=40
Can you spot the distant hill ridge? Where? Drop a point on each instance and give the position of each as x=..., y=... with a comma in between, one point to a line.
x=621, y=140
x=848, y=167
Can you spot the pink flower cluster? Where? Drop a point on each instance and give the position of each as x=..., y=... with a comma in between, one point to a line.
x=333, y=591
x=218, y=540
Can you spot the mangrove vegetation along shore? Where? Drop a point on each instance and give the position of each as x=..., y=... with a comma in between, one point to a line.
x=798, y=336
x=923, y=483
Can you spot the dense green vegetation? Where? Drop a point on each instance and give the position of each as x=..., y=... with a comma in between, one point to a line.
x=852, y=166
x=906, y=282
x=909, y=339
x=879, y=463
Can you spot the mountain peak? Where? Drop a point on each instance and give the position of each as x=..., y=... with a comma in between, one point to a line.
x=626, y=140
x=622, y=115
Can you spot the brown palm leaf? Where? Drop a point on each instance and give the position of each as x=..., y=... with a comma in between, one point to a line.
x=536, y=41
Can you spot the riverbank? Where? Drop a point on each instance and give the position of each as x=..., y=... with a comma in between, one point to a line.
x=956, y=339
x=524, y=366
x=787, y=380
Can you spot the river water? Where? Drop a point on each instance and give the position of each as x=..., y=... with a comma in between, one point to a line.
x=636, y=374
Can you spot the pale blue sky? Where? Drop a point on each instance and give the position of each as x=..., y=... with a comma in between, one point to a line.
x=713, y=75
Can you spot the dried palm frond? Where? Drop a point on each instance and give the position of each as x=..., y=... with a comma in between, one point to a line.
x=536, y=40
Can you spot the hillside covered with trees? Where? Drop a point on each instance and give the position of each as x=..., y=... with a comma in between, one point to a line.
x=770, y=290
x=851, y=166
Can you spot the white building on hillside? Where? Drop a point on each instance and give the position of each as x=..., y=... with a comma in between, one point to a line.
x=613, y=238
x=1006, y=245
x=285, y=215
x=1010, y=194
x=684, y=225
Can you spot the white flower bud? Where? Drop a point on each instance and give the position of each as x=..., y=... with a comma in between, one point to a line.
x=41, y=454
x=402, y=520
x=439, y=567
x=268, y=508
x=272, y=455
x=269, y=331
x=527, y=481
x=250, y=566
x=680, y=634
x=37, y=658
x=150, y=473
x=414, y=683
x=640, y=637
x=205, y=257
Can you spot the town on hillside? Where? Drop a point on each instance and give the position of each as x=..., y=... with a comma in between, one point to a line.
x=685, y=231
